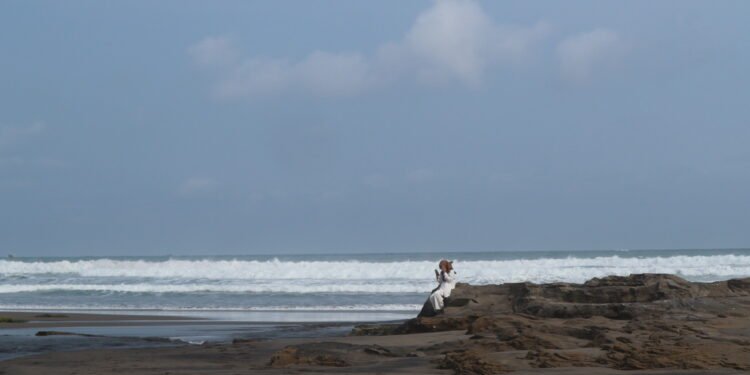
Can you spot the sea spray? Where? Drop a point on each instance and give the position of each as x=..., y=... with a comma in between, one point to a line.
x=320, y=282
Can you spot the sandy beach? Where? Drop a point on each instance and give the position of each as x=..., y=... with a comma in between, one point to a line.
x=641, y=324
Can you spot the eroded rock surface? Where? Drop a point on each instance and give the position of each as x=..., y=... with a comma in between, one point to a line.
x=645, y=321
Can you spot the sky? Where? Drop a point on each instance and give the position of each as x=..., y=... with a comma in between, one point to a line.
x=241, y=127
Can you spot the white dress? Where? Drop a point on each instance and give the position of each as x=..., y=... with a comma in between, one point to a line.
x=443, y=291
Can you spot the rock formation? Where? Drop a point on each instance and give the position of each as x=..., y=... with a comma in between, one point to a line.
x=644, y=321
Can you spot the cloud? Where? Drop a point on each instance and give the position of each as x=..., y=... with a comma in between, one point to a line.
x=457, y=40
x=11, y=135
x=453, y=41
x=582, y=54
x=196, y=185
x=214, y=52
x=319, y=73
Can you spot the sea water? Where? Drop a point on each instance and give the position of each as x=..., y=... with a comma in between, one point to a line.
x=339, y=287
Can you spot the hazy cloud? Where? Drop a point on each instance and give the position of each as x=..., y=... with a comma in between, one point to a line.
x=452, y=41
x=581, y=54
x=214, y=52
x=319, y=73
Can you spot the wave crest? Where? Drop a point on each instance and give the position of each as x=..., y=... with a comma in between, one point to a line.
x=300, y=273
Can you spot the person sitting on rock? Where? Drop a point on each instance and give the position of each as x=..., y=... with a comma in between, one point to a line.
x=447, y=279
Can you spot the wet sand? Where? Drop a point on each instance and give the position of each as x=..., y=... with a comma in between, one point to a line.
x=41, y=319
x=364, y=355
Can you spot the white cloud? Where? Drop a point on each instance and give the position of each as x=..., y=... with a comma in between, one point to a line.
x=456, y=40
x=582, y=54
x=452, y=41
x=196, y=185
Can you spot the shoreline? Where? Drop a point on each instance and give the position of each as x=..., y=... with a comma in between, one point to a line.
x=268, y=356
x=63, y=318
x=41, y=333
x=640, y=324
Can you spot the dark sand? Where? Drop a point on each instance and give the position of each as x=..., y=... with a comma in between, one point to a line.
x=642, y=324
x=41, y=319
x=254, y=357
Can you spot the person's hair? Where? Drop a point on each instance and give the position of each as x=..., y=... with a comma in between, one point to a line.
x=445, y=265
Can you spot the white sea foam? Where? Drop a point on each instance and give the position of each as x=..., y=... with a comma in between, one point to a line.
x=283, y=308
x=218, y=288
x=267, y=290
x=355, y=276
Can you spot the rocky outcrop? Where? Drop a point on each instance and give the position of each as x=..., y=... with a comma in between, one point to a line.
x=613, y=297
x=644, y=321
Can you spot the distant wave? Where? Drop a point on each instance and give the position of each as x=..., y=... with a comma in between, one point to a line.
x=217, y=288
x=185, y=276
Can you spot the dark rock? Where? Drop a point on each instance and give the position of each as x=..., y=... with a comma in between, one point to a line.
x=646, y=321
x=643, y=321
x=62, y=333
x=613, y=297
x=381, y=329
x=292, y=355
x=470, y=363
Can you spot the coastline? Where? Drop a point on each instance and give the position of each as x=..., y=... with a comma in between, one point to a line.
x=640, y=324
x=252, y=357
x=53, y=318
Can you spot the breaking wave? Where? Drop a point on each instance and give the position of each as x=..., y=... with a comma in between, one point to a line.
x=241, y=276
x=136, y=308
x=217, y=288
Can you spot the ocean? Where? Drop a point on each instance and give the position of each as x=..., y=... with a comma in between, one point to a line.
x=340, y=287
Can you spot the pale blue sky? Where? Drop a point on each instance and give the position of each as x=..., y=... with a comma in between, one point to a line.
x=193, y=127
